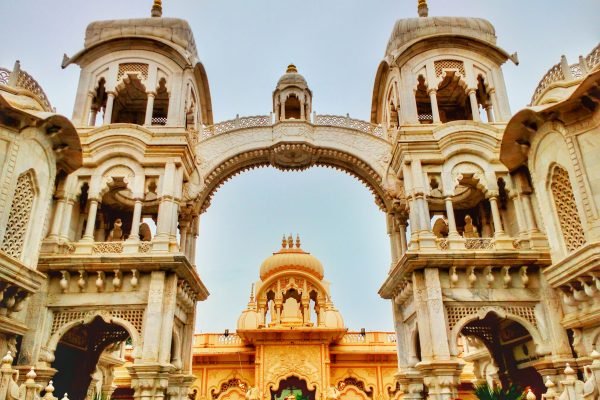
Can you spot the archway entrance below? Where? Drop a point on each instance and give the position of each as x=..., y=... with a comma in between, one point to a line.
x=293, y=388
x=510, y=350
x=78, y=353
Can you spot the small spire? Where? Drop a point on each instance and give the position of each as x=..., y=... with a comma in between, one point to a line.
x=283, y=242
x=156, y=9
x=291, y=68
x=297, y=240
x=252, y=294
x=422, y=8
x=291, y=241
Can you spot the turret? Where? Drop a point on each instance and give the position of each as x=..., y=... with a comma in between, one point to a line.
x=292, y=99
x=438, y=70
x=141, y=71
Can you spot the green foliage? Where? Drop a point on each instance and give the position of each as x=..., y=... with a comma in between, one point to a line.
x=299, y=396
x=513, y=392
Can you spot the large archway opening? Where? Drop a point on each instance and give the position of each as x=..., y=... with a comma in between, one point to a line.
x=337, y=219
x=83, y=352
x=294, y=388
x=502, y=351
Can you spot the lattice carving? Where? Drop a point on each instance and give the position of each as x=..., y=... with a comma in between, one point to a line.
x=351, y=381
x=354, y=338
x=4, y=74
x=125, y=68
x=27, y=82
x=18, y=218
x=229, y=339
x=456, y=313
x=443, y=65
x=479, y=244
x=566, y=208
x=134, y=316
x=107, y=248
x=225, y=386
x=145, y=247
x=593, y=58
x=554, y=74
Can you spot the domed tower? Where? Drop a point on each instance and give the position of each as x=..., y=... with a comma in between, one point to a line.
x=292, y=99
x=441, y=95
x=438, y=70
x=142, y=71
x=291, y=292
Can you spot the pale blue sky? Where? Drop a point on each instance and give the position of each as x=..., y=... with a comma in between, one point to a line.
x=245, y=46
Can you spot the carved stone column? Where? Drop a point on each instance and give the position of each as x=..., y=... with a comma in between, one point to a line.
x=474, y=105
x=88, y=236
x=110, y=100
x=435, y=112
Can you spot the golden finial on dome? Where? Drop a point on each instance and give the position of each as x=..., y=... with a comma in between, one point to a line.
x=297, y=240
x=156, y=9
x=291, y=68
x=422, y=8
x=283, y=242
x=252, y=294
x=291, y=241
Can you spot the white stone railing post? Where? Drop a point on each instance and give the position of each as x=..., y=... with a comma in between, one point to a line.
x=550, y=391
x=49, y=392
x=591, y=386
x=31, y=388
x=571, y=385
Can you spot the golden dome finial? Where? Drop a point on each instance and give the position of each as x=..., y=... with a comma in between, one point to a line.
x=297, y=240
x=422, y=8
x=283, y=242
x=291, y=68
x=156, y=9
x=290, y=241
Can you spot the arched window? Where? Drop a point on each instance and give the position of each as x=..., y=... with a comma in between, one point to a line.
x=424, y=111
x=292, y=107
x=566, y=209
x=130, y=101
x=161, y=104
x=19, y=215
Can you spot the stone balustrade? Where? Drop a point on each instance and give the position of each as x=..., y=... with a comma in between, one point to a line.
x=101, y=248
x=471, y=244
x=562, y=71
x=360, y=338
x=258, y=121
x=572, y=387
x=28, y=390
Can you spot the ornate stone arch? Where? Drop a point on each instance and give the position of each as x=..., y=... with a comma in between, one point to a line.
x=264, y=157
x=311, y=384
x=83, y=317
x=500, y=312
x=227, y=386
x=134, y=181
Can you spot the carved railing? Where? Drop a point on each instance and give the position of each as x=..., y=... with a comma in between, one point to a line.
x=572, y=387
x=442, y=243
x=107, y=248
x=479, y=244
x=217, y=340
x=237, y=123
x=360, y=338
x=25, y=81
x=28, y=390
x=347, y=122
x=258, y=121
x=563, y=71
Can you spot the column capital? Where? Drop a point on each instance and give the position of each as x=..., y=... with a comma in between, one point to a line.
x=432, y=91
x=151, y=93
x=492, y=194
x=112, y=93
x=471, y=90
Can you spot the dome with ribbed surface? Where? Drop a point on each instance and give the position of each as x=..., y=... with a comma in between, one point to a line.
x=291, y=257
x=410, y=30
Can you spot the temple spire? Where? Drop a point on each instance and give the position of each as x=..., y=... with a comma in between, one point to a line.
x=156, y=9
x=422, y=8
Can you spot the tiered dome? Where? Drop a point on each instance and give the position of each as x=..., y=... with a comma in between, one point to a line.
x=291, y=258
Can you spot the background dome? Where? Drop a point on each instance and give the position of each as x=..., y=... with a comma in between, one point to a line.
x=291, y=258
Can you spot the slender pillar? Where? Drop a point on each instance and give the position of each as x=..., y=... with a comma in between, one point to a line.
x=183, y=234
x=517, y=201
x=58, y=216
x=110, y=101
x=282, y=112
x=136, y=220
x=149, y=108
x=85, y=118
x=452, y=231
x=88, y=236
x=66, y=219
x=93, y=115
x=302, y=113
x=490, y=113
x=435, y=111
x=402, y=231
x=498, y=230
x=390, y=231
x=474, y=105
x=529, y=213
